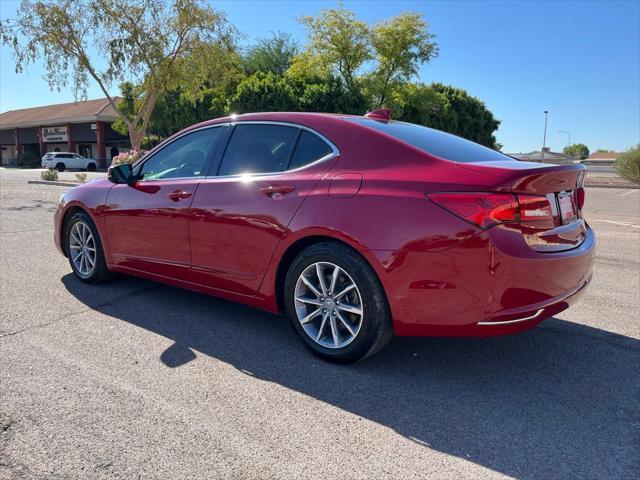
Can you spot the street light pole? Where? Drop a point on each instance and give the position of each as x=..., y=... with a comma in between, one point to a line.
x=568, y=133
x=544, y=139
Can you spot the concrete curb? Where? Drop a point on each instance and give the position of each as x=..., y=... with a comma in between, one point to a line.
x=57, y=184
x=595, y=185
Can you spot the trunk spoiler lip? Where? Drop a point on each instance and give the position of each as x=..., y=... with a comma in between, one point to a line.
x=524, y=177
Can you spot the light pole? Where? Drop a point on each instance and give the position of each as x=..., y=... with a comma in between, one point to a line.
x=544, y=139
x=568, y=133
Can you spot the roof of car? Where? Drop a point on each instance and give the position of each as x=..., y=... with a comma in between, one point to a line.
x=274, y=116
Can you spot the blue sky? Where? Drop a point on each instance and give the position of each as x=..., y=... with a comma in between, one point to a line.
x=578, y=59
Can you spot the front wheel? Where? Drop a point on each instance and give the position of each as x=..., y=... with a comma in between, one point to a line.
x=336, y=303
x=91, y=167
x=84, y=249
x=60, y=167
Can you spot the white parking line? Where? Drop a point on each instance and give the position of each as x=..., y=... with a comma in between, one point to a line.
x=624, y=224
x=629, y=192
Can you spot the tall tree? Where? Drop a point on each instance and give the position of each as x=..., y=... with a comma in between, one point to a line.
x=112, y=41
x=341, y=40
x=273, y=54
x=401, y=45
x=448, y=109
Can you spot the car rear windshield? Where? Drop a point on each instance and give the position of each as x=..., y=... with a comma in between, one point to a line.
x=435, y=142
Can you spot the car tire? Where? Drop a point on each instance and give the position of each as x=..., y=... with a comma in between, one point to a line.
x=337, y=332
x=91, y=167
x=80, y=231
x=60, y=167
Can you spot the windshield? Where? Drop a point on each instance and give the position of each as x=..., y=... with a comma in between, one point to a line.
x=435, y=142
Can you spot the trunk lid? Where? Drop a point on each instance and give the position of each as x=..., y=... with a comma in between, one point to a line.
x=560, y=185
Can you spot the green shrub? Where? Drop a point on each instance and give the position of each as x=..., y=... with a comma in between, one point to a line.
x=628, y=164
x=81, y=177
x=49, y=175
x=28, y=159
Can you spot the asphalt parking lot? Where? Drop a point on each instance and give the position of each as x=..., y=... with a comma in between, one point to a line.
x=133, y=379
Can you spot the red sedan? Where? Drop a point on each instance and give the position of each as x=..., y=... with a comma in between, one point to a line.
x=355, y=227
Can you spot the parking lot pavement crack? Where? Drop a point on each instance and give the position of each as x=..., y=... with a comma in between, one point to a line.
x=630, y=344
x=78, y=312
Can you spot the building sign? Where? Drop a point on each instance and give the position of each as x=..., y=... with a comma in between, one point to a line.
x=54, y=134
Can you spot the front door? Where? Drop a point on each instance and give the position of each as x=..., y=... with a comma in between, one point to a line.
x=147, y=223
x=239, y=216
x=85, y=151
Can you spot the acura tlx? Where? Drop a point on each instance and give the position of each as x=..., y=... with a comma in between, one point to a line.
x=355, y=227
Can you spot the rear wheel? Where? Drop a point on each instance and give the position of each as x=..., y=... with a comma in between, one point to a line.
x=84, y=249
x=60, y=167
x=336, y=303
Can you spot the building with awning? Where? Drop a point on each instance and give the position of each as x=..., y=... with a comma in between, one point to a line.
x=82, y=127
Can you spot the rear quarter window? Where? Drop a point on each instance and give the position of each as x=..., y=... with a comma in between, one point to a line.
x=310, y=148
x=435, y=142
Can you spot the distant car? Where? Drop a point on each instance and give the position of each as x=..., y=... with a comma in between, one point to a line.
x=355, y=227
x=62, y=161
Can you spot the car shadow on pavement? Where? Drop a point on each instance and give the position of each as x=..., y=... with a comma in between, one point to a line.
x=558, y=401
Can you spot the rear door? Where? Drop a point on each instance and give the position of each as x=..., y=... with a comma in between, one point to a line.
x=148, y=223
x=79, y=161
x=242, y=210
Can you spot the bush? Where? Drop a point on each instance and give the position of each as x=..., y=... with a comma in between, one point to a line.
x=28, y=159
x=49, y=175
x=81, y=177
x=127, y=157
x=628, y=164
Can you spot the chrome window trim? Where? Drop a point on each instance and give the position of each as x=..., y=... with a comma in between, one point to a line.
x=334, y=153
x=152, y=154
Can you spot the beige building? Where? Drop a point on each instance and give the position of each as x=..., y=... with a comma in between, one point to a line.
x=82, y=127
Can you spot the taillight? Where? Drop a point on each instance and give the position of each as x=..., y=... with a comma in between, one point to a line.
x=578, y=196
x=482, y=209
x=534, y=208
x=488, y=209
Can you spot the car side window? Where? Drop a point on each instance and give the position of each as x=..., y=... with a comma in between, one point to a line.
x=183, y=158
x=310, y=147
x=258, y=148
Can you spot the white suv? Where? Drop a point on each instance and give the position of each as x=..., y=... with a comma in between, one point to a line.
x=63, y=160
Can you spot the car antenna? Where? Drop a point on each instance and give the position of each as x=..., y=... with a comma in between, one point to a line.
x=380, y=114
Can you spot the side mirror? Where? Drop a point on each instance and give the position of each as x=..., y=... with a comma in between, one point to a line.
x=121, y=174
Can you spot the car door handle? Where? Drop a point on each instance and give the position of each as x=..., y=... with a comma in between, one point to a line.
x=179, y=195
x=277, y=191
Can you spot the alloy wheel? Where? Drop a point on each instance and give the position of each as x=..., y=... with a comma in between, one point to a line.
x=328, y=305
x=82, y=248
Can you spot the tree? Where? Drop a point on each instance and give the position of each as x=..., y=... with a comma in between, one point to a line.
x=576, y=150
x=401, y=45
x=325, y=93
x=263, y=92
x=273, y=55
x=628, y=164
x=341, y=41
x=449, y=109
x=111, y=41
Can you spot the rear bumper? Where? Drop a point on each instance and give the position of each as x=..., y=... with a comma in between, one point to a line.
x=489, y=284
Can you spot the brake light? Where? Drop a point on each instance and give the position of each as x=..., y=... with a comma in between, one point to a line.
x=488, y=209
x=482, y=209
